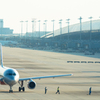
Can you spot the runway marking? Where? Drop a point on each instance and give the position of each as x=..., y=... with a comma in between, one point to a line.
x=83, y=61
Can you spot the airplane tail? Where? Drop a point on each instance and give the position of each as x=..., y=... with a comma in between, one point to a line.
x=1, y=60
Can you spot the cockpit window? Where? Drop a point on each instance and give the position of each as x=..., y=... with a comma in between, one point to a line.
x=11, y=74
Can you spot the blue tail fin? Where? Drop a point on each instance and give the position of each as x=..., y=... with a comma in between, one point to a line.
x=1, y=60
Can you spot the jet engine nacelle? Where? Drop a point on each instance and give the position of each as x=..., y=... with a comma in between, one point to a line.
x=31, y=84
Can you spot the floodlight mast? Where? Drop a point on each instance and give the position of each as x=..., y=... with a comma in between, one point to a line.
x=26, y=28
x=68, y=31
x=90, y=29
x=80, y=26
x=60, y=22
x=53, y=27
x=68, y=24
x=39, y=28
x=33, y=26
x=90, y=22
x=80, y=23
x=21, y=27
x=45, y=27
x=68, y=27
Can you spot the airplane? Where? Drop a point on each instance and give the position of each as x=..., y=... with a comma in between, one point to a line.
x=10, y=76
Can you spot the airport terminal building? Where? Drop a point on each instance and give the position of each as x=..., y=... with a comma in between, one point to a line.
x=79, y=37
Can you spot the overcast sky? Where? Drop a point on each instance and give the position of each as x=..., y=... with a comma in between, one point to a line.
x=14, y=11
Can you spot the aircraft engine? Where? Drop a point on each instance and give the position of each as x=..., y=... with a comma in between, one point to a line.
x=31, y=84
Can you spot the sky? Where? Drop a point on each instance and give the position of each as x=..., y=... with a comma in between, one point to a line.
x=14, y=11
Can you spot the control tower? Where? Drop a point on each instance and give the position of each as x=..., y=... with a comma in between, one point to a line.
x=1, y=23
x=3, y=30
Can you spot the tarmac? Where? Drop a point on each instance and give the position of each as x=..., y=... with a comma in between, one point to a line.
x=32, y=63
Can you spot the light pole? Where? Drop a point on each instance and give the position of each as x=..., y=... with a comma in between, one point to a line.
x=45, y=27
x=32, y=28
x=68, y=24
x=21, y=27
x=26, y=26
x=68, y=27
x=68, y=31
x=80, y=23
x=26, y=29
x=39, y=28
x=53, y=27
x=90, y=29
x=90, y=22
x=60, y=22
x=80, y=26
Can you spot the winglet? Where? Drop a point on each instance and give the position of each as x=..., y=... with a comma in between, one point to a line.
x=1, y=60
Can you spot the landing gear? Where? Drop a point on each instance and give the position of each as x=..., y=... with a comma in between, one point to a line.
x=21, y=88
x=10, y=91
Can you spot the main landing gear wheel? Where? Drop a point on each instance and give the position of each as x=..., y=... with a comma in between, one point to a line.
x=21, y=88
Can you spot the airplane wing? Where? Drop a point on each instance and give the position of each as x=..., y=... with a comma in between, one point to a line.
x=52, y=76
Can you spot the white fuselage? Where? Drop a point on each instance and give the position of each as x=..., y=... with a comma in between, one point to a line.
x=9, y=76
